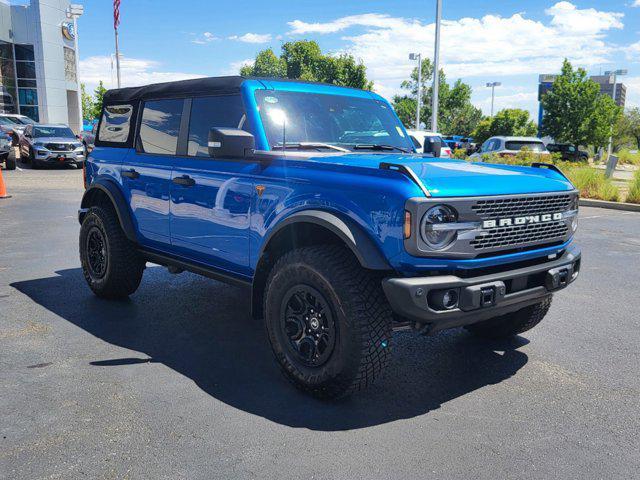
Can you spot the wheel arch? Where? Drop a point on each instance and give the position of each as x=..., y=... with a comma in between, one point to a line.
x=105, y=192
x=313, y=227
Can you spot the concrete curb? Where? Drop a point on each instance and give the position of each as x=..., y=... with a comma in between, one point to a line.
x=629, y=207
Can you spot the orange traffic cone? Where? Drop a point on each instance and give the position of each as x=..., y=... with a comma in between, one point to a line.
x=3, y=188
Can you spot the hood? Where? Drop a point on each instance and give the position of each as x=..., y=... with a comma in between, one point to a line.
x=458, y=178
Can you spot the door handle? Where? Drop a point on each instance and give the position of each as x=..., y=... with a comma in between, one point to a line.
x=130, y=174
x=185, y=181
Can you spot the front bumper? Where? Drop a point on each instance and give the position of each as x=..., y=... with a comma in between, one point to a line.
x=482, y=297
x=44, y=156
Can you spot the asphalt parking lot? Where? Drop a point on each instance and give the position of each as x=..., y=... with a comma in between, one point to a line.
x=178, y=382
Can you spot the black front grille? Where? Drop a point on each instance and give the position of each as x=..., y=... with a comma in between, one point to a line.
x=517, y=206
x=513, y=236
x=59, y=147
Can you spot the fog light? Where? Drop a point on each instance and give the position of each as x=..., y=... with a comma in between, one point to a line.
x=444, y=299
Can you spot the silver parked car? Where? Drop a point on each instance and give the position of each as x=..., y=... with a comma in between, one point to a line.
x=43, y=145
x=510, y=146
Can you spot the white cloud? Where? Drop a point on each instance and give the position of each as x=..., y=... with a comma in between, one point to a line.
x=134, y=71
x=252, y=38
x=633, y=51
x=636, y=3
x=569, y=18
x=205, y=38
x=234, y=67
x=489, y=46
x=633, y=91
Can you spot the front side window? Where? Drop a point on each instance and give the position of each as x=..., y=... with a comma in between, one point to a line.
x=41, y=132
x=115, y=123
x=299, y=118
x=209, y=112
x=160, y=126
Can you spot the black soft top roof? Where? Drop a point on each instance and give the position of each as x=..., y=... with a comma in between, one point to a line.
x=198, y=86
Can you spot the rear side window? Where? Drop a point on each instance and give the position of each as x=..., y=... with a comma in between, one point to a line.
x=115, y=123
x=160, y=126
x=207, y=112
x=519, y=145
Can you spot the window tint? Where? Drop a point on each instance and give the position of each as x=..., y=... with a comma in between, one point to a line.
x=208, y=112
x=115, y=123
x=529, y=145
x=160, y=126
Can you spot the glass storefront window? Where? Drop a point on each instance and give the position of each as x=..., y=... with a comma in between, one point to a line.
x=28, y=96
x=31, y=112
x=26, y=69
x=24, y=52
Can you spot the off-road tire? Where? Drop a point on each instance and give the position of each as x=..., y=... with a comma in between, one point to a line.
x=511, y=324
x=361, y=314
x=31, y=158
x=124, y=265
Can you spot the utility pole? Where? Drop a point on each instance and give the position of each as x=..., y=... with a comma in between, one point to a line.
x=116, y=23
x=493, y=86
x=418, y=57
x=74, y=12
x=436, y=68
x=615, y=74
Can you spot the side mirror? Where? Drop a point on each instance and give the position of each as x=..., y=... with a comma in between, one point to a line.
x=433, y=146
x=230, y=143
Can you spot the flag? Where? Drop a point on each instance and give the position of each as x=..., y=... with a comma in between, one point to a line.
x=116, y=13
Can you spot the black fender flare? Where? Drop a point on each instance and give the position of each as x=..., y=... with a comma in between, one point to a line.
x=352, y=234
x=111, y=190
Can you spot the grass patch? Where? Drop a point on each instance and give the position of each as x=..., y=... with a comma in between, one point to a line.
x=625, y=156
x=634, y=189
x=593, y=184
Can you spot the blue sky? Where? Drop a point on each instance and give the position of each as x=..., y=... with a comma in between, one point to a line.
x=507, y=41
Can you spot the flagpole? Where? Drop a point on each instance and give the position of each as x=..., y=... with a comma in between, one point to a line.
x=117, y=59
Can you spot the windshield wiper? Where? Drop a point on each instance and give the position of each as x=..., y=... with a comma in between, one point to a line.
x=309, y=146
x=378, y=146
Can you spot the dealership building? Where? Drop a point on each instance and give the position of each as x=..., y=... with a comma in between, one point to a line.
x=38, y=61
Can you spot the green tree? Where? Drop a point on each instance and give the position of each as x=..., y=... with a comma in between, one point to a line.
x=98, y=95
x=627, y=129
x=456, y=113
x=508, y=122
x=576, y=112
x=267, y=64
x=304, y=60
x=87, y=104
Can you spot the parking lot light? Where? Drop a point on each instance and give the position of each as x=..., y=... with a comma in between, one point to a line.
x=493, y=86
x=418, y=57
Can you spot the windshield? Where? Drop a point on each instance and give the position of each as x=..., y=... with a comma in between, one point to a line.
x=519, y=145
x=23, y=120
x=326, y=121
x=64, y=132
x=7, y=121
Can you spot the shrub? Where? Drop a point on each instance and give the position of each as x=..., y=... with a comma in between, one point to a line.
x=460, y=153
x=634, y=189
x=593, y=184
x=625, y=156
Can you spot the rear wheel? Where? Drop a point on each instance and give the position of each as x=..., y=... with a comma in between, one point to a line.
x=512, y=323
x=110, y=262
x=31, y=158
x=328, y=321
x=10, y=162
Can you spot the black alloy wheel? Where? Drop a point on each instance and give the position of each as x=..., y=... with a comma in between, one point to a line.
x=308, y=324
x=96, y=253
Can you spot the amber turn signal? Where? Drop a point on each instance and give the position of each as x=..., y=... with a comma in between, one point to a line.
x=407, y=224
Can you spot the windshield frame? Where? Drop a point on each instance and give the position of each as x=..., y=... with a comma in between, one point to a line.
x=389, y=122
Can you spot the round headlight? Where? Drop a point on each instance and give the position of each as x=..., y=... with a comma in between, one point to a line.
x=433, y=233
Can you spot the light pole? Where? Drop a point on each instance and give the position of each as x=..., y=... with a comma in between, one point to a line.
x=418, y=57
x=74, y=12
x=436, y=68
x=493, y=86
x=616, y=74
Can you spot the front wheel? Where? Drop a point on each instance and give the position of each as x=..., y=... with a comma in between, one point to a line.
x=511, y=324
x=328, y=321
x=110, y=262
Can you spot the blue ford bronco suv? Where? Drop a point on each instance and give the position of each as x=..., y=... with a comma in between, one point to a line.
x=312, y=197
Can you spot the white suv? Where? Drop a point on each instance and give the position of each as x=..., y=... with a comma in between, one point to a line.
x=510, y=146
x=419, y=136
